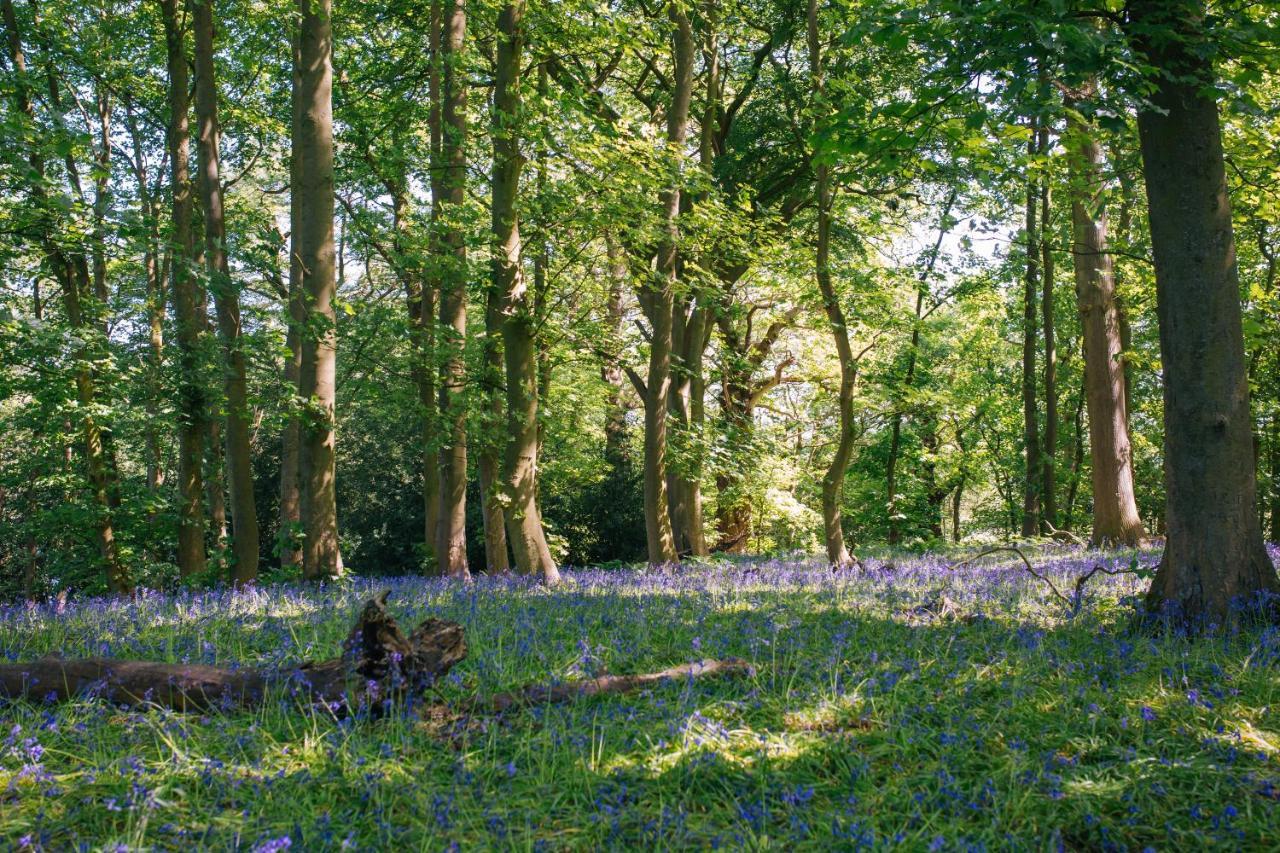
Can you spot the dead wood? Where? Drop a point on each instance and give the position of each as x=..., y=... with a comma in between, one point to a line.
x=541, y=694
x=377, y=663
x=1072, y=603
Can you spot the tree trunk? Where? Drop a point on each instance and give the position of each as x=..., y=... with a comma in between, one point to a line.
x=313, y=252
x=957, y=502
x=493, y=436
x=687, y=408
x=191, y=397
x=515, y=308
x=658, y=302
x=148, y=208
x=1049, y=455
x=1115, y=511
x=833, y=481
x=289, y=538
x=214, y=470
x=616, y=449
x=428, y=386
x=452, y=542
x=1275, y=479
x=239, y=452
x=378, y=663
x=1030, y=293
x=1214, y=558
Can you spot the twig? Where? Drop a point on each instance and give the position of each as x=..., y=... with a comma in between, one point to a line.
x=1073, y=604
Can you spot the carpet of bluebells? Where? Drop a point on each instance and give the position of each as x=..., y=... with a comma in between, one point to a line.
x=905, y=705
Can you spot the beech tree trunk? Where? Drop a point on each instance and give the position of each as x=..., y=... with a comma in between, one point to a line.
x=493, y=436
x=833, y=481
x=191, y=398
x=1049, y=454
x=1214, y=557
x=616, y=446
x=289, y=539
x=1115, y=511
x=148, y=208
x=1030, y=417
x=428, y=386
x=686, y=403
x=239, y=452
x=658, y=301
x=451, y=546
x=516, y=310
x=313, y=252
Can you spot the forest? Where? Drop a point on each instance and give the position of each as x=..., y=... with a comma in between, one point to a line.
x=901, y=377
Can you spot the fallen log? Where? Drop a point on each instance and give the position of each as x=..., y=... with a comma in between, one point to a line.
x=541, y=694
x=378, y=662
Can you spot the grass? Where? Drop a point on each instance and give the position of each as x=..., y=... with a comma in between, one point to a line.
x=875, y=719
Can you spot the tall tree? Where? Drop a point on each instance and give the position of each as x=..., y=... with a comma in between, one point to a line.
x=452, y=168
x=313, y=252
x=833, y=480
x=515, y=306
x=70, y=269
x=239, y=451
x=1049, y=453
x=186, y=306
x=1030, y=328
x=1214, y=556
x=657, y=299
x=1115, y=510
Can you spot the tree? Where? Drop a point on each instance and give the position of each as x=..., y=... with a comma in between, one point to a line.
x=70, y=270
x=1115, y=511
x=515, y=306
x=311, y=202
x=239, y=452
x=452, y=260
x=1214, y=558
x=186, y=303
x=833, y=480
x=657, y=299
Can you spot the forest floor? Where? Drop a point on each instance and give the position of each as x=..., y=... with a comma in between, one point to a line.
x=912, y=706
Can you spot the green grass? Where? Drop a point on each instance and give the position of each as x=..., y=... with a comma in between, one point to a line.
x=870, y=721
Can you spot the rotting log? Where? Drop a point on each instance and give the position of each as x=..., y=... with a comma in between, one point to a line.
x=379, y=664
x=541, y=694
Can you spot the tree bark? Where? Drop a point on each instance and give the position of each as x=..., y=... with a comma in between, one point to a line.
x=1214, y=557
x=191, y=397
x=1049, y=454
x=658, y=302
x=149, y=209
x=1115, y=510
x=289, y=539
x=313, y=252
x=515, y=309
x=616, y=446
x=833, y=481
x=378, y=664
x=452, y=542
x=1030, y=293
x=239, y=452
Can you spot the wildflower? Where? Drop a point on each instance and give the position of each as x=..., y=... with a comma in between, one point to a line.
x=1148, y=714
